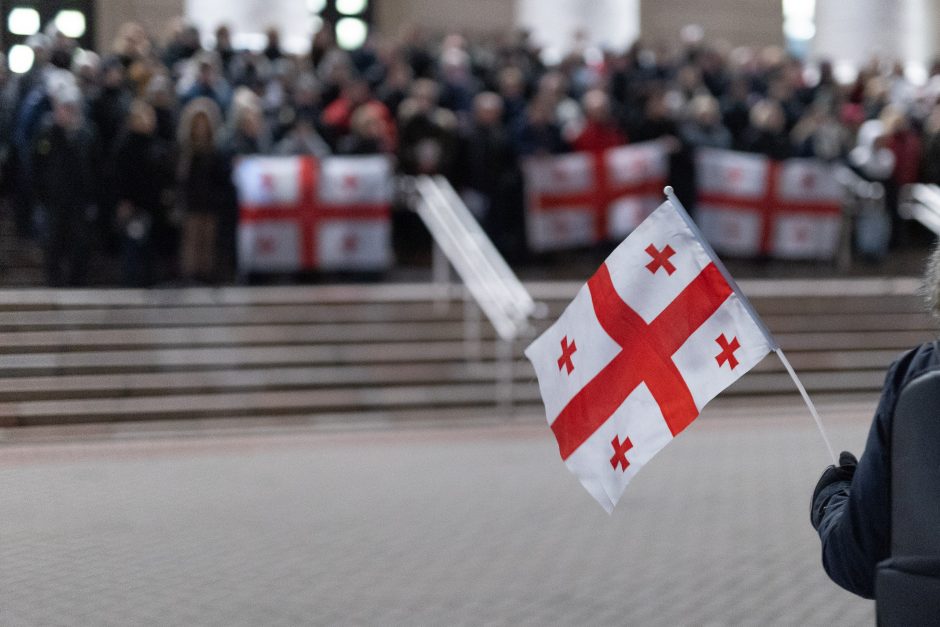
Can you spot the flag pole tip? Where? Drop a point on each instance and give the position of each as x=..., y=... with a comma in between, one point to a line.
x=667, y=190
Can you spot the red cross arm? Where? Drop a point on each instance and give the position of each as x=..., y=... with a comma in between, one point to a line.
x=645, y=357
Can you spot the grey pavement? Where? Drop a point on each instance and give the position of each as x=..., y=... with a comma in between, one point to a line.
x=477, y=524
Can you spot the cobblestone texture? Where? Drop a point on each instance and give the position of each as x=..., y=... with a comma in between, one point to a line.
x=451, y=526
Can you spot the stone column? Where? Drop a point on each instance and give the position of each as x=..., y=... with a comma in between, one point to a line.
x=853, y=33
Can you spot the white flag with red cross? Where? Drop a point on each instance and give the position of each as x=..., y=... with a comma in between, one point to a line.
x=750, y=205
x=655, y=334
x=299, y=213
x=583, y=198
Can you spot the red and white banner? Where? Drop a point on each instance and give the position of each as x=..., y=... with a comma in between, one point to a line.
x=653, y=336
x=750, y=205
x=579, y=199
x=300, y=213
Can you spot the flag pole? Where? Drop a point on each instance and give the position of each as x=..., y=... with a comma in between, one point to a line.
x=809, y=403
x=670, y=194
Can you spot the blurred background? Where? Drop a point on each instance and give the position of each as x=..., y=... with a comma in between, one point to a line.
x=267, y=270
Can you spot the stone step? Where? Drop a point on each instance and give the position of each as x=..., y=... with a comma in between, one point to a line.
x=367, y=398
x=763, y=380
x=77, y=340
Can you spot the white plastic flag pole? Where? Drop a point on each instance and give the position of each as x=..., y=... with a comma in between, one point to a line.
x=747, y=304
x=809, y=403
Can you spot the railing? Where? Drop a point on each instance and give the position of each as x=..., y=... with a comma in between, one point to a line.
x=490, y=285
x=861, y=196
x=921, y=202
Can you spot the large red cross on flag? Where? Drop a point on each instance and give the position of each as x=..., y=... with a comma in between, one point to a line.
x=750, y=205
x=655, y=334
x=300, y=213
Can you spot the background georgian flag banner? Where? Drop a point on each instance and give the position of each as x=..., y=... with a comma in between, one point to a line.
x=301, y=213
x=583, y=198
x=654, y=335
x=750, y=205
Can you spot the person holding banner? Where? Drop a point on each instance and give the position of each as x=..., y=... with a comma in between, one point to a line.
x=851, y=504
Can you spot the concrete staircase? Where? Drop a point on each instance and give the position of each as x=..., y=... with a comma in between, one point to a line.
x=386, y=352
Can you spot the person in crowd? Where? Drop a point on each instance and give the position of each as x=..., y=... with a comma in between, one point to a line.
x=397, y=85
x=906, y=147
x=182, y=44
x=303, y=138
x=337, y=116
x=701, y=128
x=30, y=105
x=207, y=81
x=110, y=106
x=458, y=83
x=489, y=177
x=246, y=135
x=538, y=133
x=204, y=183
x=159, y=94
x=736, y=105
x=553, y=88
x=225, y=49
x=272, y=47
x=512, y=89
x=819, y=134
x=767, y=133
x=930, y=162
x=600, y=128
x=143, y=177
x=657, y=120
x=427, y=132
x=369, y=132
x=66, y=164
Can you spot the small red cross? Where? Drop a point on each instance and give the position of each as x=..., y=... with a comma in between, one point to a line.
x=559, y=173
x=620, y=453
x=735, y=175
x=350, y=181
x=350, y=243
x=265, y=245
x=808, y=181
x=267, y=182
x=660, y=259
x=567, y=350
x=639, y=168
x=727, y=351
x=802, y=233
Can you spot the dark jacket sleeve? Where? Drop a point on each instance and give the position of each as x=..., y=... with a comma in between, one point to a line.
x=856, y=528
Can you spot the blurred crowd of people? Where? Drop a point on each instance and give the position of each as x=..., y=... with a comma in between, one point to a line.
x=128, y=154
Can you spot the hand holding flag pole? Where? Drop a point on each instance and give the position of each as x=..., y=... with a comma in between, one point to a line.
x=658, y=331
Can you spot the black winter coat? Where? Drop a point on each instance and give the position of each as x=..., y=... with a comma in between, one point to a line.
x=856, y=527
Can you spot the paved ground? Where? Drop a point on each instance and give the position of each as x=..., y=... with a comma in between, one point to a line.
x=477, y=524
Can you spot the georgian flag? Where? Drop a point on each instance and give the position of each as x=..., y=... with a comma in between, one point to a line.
x=300, y=213
x=581, y=198
x=654, y=335
x=750, y=205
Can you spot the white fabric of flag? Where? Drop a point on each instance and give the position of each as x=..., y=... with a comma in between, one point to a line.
x=654, y=335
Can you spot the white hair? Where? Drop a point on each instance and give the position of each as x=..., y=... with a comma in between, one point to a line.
x=931, y=288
